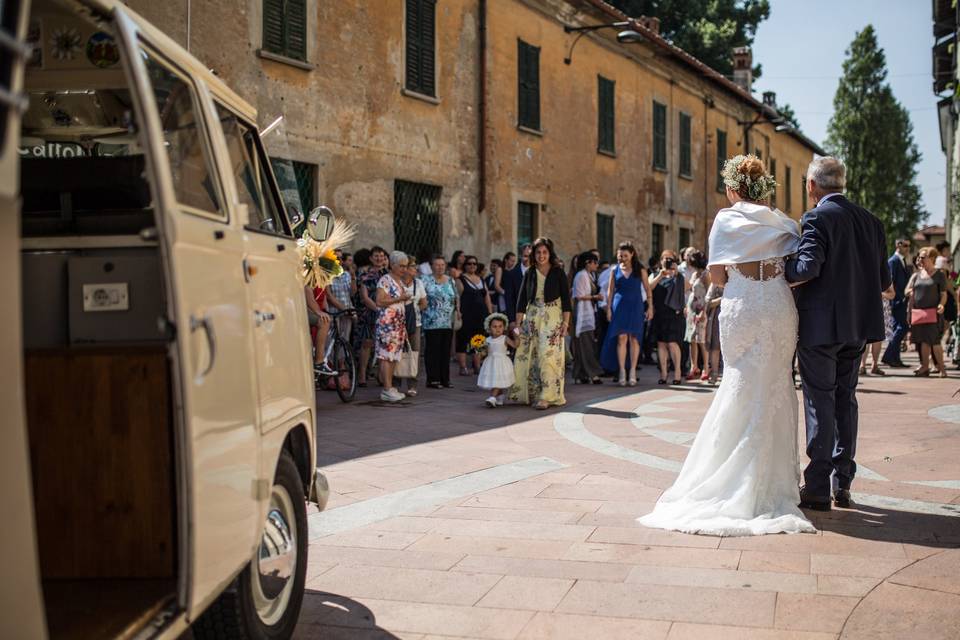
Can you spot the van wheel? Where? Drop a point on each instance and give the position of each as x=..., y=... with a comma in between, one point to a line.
x=263, y=602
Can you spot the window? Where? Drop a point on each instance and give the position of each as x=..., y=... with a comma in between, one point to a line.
x=684, y=238
x=526, y=223
x=803, y=192
x=773, y=174
x=193, y=181
x=416, y=217
x=788, y=190
x=659, y=136
x=721, y=158
x=656, y=239
x=285, y=28
x=685, y=159
x=421, y=46
x=251, y=174
x=528, y=89
x=297, y=183
x=605, y=236
x=605, y=115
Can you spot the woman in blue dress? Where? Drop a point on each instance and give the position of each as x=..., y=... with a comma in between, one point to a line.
x=626, y=314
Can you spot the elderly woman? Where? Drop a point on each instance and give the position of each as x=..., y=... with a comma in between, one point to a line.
x=927, y=293
x=437, y=322
x=543, y=317
x=391, y=323
x=669, y=324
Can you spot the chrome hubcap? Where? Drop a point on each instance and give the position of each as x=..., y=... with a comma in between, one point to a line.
x=276, y=561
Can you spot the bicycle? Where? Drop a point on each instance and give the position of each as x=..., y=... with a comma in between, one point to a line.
x=340, y=356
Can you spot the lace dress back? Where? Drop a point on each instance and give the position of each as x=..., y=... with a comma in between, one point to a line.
x=741, y=475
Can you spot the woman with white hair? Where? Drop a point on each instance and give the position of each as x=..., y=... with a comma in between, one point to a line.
x=391, y=328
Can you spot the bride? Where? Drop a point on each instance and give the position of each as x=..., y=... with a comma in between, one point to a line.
x=741, y=475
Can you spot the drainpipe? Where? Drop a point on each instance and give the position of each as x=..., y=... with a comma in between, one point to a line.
x=482, y=110
x=188, y=25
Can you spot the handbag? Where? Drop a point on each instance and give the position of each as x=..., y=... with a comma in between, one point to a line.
x=409, y=364
x=923, y=316
x=457, y=320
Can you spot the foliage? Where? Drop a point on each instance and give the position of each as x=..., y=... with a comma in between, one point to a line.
x=706, y=29
x=789, y=115
x=872, y=133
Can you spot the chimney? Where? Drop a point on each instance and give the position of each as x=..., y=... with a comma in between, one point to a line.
x=743, y=68
x=649, y=23
x=770, y=99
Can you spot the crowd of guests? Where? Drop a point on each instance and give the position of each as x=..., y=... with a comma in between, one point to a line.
x=518, y=323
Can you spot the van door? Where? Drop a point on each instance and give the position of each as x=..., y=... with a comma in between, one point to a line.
x=208, y=298
x=281, y=334
x=21, y=601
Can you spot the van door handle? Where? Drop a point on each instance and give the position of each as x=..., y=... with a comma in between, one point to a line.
x=260, y=317
x=207, y=326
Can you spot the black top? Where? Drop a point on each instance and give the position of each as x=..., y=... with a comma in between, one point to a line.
x=843, y=264
x=555, y=286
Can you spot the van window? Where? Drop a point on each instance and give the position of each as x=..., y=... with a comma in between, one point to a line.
x=251, y=174
x=193, y=181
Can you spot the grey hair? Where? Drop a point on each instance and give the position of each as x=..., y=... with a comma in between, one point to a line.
x=828, y=173
x=396, y=257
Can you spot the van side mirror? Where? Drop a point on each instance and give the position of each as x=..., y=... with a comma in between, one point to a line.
x=320, y=223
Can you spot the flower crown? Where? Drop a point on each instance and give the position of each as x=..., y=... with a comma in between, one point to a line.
x=494, y=316
x=759, y=189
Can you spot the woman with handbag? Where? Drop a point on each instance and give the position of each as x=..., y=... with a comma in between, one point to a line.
x=409, y=366
x=438, y=321
x=927, y=293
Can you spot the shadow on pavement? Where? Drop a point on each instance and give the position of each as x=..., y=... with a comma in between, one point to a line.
x=332, y=617
x=888, y=525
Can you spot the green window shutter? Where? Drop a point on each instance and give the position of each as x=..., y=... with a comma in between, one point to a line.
x=273, y=26
x=788, y=190
x=605, y=236
x=659, y=136
x=526, y=223
x=685, y=159
x=420, y=46
x=296, y=28
x=721, y=157
x=528, y=85
x=606, y=106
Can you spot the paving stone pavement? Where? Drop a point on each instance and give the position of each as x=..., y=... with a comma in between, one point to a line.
x=448, y=519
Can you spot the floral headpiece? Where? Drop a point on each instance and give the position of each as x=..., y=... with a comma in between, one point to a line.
x=318, y=262
x=494, y=316
x=759, y=189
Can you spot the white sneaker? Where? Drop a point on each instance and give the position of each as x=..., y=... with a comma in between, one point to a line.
x=491, y=402
x=391, y=395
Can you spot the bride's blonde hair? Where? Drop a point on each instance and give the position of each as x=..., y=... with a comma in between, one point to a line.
x=748, y=177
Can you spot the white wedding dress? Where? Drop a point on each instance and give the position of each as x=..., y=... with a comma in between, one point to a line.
x=741, y=475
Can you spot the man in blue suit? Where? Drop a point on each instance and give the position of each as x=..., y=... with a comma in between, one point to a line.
x=512, y=280
x=842, y=271
x=900, y=273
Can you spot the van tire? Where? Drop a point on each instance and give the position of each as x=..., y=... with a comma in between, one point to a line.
x=233, y=615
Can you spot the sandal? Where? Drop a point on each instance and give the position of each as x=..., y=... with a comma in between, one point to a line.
x=676, y=382
x=661, y=381
x=463, y=371
x=922, y=373
x=877, y=371
x=541, y=406
x=863, y=371
x=412, y=393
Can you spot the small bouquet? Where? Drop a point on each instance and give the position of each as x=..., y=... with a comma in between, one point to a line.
x=478, y=344
x=318, y=263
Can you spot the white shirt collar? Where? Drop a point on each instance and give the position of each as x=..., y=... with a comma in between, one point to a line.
x=827, y=197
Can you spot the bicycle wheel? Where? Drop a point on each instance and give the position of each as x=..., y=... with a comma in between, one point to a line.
x=343, y=361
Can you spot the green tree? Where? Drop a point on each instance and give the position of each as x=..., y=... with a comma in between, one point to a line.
x=706, y=29
x=871, y=131
x=789, y=115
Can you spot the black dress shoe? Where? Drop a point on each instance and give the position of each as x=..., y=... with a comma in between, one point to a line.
x=810, y=501
x=842, y=498
x=895, y=365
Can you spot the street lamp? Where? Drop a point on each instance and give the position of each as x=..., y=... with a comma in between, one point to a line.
x=627, y=34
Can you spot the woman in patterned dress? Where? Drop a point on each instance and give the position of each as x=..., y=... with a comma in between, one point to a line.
x=391, y=328
x=543, y=317
x=442, y=307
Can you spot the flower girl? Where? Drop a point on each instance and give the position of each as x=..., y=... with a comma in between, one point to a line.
x=496, y=373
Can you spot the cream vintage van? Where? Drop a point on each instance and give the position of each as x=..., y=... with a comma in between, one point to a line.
x=158, y=407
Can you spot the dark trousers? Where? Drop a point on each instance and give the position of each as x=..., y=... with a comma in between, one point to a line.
x=437, y=355
x=585, y=363
x=829, y=375
x=899, y=312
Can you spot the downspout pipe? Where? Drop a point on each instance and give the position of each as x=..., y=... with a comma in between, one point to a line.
x=482, y=107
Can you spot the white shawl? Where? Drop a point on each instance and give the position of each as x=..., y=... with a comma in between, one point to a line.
x=749, y=232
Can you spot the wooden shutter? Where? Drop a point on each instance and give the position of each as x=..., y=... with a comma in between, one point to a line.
x=685, y=159
x=273, y=26
x=296, y=29
x=528, y=89
x=721, y=157
x=788, y=190
x=420, y=46
x=606, y=113
x=659, y=136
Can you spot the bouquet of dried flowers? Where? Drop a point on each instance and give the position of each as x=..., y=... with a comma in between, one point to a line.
x=318, y=262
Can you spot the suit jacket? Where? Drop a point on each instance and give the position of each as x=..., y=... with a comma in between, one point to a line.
x=900, y=276
x=510, y=282
x=842, y=264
